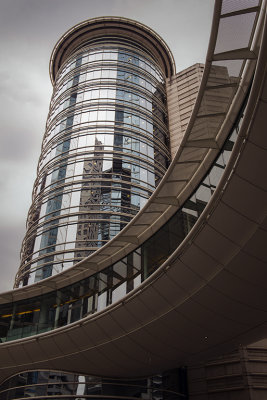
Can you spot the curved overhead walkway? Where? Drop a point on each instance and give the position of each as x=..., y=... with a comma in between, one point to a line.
x=209, y=296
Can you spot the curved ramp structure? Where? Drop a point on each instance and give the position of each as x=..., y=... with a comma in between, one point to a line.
x=204, y=292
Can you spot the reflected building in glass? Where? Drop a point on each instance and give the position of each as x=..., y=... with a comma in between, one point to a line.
x=106, y=145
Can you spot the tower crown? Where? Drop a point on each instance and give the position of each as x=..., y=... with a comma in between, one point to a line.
x=101, y=27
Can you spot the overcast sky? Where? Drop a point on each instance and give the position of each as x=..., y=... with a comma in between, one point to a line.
x=29, y=29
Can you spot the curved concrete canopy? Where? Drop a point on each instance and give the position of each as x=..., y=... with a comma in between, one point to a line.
x=208, y=297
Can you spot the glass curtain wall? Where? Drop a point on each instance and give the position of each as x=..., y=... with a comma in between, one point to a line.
x=104, y=151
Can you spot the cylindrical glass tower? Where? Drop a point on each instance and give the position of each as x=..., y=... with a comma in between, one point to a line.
x=106, y=142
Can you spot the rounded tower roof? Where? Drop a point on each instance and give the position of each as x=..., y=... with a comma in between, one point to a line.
x=105, y=26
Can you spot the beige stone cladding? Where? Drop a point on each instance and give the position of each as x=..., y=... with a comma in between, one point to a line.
x=182, y=90
x=242, y=375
